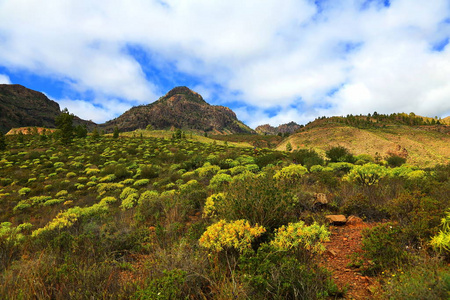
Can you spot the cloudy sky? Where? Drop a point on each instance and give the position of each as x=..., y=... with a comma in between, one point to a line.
x=271, y=61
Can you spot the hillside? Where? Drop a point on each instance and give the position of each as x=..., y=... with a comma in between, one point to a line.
x=22, y=107
x=425, y=145
x=180, y=108
x=288, y=128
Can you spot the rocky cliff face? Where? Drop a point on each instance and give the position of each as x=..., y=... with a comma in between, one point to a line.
x=21, y=107
x=180, y=108
x=288, y=128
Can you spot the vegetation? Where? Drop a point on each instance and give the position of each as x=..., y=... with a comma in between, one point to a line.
x=2, y=141
x=64, y=122
x=153, y=217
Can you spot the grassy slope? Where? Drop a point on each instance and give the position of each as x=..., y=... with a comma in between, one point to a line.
x=425, y=148
x=167, y=134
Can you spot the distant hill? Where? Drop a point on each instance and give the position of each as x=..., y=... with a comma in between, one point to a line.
x=23, y=107
x=180, y=108
x=423, y=145
x=288, y=128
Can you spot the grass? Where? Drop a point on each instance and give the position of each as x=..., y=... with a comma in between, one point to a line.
x=425, y=148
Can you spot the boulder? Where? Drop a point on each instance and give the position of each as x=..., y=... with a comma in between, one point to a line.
x=354, y=220
x=320, y=198
x=336, y=219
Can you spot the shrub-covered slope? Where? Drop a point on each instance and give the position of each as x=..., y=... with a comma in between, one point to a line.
x=421, y=145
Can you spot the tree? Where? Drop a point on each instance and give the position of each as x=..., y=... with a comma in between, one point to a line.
x=340, y=154
x=395, y=161
x=81, y=131
x=116, y=132
x=2, y=141
x=95, y=134
x=64, y=122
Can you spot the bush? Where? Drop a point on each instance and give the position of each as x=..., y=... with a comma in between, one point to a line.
x=340, y=154
x=260, y=199
x=383, y=247
x=427, y=280
x=365, y=175
x=395, y=161
x=274, y=274
x=290, y=174
x=24, y=191
x=298, y=237
x=141, y=182
x=307, y=157
x=219, y=181
x=169, y=286
x=441, y=241
x=234, y=235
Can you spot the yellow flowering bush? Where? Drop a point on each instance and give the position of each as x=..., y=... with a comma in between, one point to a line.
x=210, y=205
x=296, y=235
x=441, y=241
x=290, y=173
x=225, y=235
x=368, y=174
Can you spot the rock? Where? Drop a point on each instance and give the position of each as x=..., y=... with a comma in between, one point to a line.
x=331, y=252
x=320, y=198
x=336, y=219
x=353, y=220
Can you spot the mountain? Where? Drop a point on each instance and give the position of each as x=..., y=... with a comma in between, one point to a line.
x=23, y=107
x=422, y=145
x=180, y=108
x=288, y=128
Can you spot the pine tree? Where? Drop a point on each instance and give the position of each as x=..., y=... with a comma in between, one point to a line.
x=116, y=132
x=81, y=131
x=95, y=134
x=64, y=122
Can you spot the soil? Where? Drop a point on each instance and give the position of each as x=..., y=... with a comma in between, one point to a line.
x=344, y=241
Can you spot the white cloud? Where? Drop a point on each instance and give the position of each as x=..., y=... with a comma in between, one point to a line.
x=348, y=57
x=97, y=113
x=4, y=79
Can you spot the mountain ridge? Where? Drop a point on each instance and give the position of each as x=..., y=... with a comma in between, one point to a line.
x=180, y=108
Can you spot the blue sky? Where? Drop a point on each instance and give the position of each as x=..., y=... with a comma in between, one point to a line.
x=270, y=61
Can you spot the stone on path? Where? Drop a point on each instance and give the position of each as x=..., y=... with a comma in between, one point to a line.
x=336, y=219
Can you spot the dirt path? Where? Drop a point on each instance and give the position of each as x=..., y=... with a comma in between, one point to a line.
x=344, y=241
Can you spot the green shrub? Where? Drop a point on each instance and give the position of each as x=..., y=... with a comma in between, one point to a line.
x=129, y=198
x=219, y=181
x=395, y=161
x=234, y=235
x=52, y=202
x=290, y=174
x=274, y=274
x=441, y=241
x=141, y=182
x=300, y=237
x=383, y=248
x=365, y=175
x=168, y=286
x=306, y=157
x=340, y=154
x=24, y=191
x=427, y=280
x=258, y=199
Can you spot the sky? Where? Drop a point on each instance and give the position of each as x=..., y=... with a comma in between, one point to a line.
x=270, y=61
